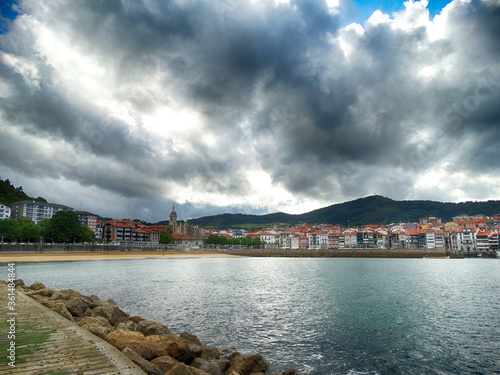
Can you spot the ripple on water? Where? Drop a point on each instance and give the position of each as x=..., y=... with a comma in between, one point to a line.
x=322, y=316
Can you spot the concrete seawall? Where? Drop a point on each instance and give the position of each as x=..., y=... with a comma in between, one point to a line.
x=346, y=253
x=273, y=252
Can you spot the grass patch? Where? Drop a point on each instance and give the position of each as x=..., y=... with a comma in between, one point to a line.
x=28, y=339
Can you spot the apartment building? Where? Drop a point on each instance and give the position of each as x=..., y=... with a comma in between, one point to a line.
x=4, y=211
x=122, y=231
x=434, y=239
x=36, y=211
x=88, y=219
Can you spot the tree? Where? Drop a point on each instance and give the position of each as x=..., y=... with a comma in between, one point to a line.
x=166, y=237
x=9, y=230
x=215, y=239
x=29, y=230
x=64, y=226
x=221, y=240
x=86, y=234
x=44, y=225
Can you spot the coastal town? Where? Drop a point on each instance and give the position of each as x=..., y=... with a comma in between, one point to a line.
x=476, y=235
x=471, y=236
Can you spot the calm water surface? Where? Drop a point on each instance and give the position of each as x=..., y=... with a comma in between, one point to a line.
x=322, y=316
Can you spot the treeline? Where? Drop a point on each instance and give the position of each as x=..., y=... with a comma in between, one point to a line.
x=11, y=194
x=221, y=240
x=63, y=227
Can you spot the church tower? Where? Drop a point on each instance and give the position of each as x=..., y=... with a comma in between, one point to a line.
x=172, y=220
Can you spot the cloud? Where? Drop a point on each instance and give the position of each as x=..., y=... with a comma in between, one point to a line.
x=260, y=106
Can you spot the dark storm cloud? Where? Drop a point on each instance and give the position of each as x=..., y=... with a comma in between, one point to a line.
x=274, y=86
x=48, y=113
x=386, y=128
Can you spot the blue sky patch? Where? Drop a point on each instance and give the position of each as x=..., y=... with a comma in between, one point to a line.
x=7, y=13
x=365, y=8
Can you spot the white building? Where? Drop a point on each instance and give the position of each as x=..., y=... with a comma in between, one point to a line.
x=430, y=239
x=314, y=239
x=382, y=239
x=265, y=237
x=4, y=211
x=323, y=240
x=288, y=241
x=434, y=239
x=36, y=211
x=464, y=240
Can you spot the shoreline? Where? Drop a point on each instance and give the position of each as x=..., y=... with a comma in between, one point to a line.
x=66, y=256
x=79, y=256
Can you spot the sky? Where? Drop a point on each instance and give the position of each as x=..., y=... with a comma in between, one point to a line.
x=125, y=108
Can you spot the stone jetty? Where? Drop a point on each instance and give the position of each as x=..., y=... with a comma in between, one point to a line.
x=150, y=345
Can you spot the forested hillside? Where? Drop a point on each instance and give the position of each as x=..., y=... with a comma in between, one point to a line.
x=10, y=194
x=370, y=210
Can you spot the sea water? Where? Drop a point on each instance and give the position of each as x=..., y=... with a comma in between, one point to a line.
x=322, y=316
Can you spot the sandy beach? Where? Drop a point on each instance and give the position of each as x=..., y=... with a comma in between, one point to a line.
x=55, y=257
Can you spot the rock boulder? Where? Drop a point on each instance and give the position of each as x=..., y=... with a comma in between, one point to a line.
x=191, y=338
x=78, y=305
x=175, y=346
x=61, y=309
x=44, y=292
x=209, y=353
x=98, y=326
x=37, y=285
x=182, y=369
x=107, y=311
x=149, y=328
x=248, y=364
x=65, y=294
x=166, y=363
x=136, y=341
x=212, y=367
x=129, y=323
x=148, y=367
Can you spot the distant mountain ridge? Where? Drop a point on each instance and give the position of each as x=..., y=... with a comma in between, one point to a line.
x=374, y=209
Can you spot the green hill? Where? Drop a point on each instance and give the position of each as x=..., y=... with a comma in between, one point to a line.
x=374, y=209
x=11, y=194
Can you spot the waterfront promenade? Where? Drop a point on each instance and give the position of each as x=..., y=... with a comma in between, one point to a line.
x=47, y=343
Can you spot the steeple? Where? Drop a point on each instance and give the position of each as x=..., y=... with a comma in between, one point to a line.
x=172, y=220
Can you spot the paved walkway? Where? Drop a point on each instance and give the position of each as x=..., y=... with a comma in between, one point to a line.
x=47, y=343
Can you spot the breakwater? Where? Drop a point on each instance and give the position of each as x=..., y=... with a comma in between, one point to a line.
x=150, y=345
